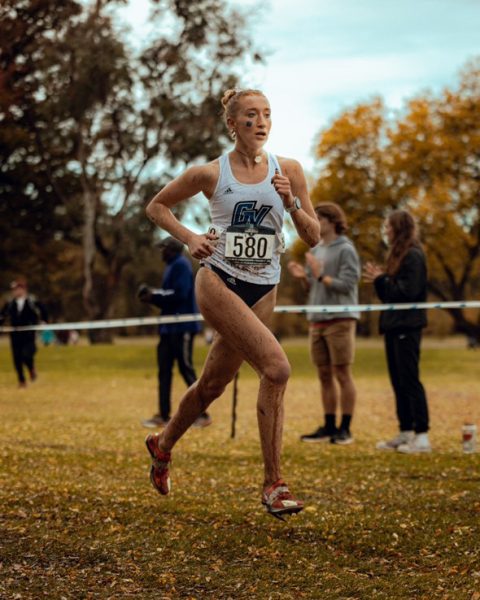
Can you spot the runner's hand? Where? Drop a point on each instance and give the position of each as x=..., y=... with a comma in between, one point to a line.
x=201, y=246
x=281, y=183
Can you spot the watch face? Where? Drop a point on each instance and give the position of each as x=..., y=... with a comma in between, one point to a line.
x=295, y=206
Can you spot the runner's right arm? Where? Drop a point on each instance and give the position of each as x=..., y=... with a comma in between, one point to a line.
x=194, y=180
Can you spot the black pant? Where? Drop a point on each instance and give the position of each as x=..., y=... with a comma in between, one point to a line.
x=23, y=352
x=173, y=347
x=403, y=357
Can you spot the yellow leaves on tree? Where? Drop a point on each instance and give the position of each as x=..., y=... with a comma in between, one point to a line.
x=427, y=161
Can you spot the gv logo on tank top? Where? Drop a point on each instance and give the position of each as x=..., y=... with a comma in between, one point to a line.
x=245, y=213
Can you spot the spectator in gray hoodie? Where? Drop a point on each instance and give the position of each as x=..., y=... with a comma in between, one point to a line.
x=331, y=274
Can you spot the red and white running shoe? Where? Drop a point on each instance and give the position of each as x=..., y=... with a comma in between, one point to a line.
x=159, y=473
x=278, y=500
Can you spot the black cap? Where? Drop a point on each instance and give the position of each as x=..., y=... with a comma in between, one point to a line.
x=171, y=243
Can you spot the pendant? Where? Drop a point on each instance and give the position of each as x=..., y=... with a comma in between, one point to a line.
x=258, y=159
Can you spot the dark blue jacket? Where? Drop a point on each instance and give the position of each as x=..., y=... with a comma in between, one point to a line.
x=177, y=295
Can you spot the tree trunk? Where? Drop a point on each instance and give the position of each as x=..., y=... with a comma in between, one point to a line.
x=462, y=325
x=90, y=301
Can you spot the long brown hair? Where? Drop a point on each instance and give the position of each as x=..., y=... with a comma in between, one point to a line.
x=405, y=236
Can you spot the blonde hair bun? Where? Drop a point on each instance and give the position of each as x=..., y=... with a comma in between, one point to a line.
x=227, y=96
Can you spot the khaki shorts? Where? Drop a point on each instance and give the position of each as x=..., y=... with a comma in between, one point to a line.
x=333, y=344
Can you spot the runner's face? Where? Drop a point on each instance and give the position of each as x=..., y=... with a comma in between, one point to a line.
x=252, y=122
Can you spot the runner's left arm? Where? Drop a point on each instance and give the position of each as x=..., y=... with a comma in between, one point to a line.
x=292, y=184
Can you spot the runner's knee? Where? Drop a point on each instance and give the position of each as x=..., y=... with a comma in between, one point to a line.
x=277, y=372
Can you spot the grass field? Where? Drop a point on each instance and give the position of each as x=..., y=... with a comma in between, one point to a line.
x=79, y=519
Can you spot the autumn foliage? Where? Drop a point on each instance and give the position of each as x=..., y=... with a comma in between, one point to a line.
x=425, y=159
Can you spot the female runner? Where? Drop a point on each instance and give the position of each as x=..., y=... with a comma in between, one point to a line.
x=249, y=191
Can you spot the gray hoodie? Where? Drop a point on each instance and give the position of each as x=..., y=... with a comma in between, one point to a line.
x=343, y=265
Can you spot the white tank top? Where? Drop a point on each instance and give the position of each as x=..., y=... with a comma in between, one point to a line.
x=247, y=206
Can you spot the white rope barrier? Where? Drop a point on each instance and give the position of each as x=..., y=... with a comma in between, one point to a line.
x=339, y=308
x=295, y=309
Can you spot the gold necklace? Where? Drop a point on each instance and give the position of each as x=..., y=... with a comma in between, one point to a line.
x=257, y=159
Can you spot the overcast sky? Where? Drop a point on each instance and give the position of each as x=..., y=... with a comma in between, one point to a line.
x=327, y=55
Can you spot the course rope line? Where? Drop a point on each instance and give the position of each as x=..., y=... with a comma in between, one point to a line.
x=295, y=309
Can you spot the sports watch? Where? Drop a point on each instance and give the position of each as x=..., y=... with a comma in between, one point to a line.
x=295, y=206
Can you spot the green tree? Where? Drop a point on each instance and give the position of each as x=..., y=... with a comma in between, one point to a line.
x=106, y=120
x=30, y=214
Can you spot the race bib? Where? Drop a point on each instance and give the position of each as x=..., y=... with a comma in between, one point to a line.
x=249, y=245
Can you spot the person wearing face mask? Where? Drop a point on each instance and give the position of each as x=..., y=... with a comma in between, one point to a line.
x=403, y=280
x=23, y=310
x=248, y=191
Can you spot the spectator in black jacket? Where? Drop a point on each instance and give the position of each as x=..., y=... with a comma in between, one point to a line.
x=403, y=281
x=23, y=310
x=175, y=297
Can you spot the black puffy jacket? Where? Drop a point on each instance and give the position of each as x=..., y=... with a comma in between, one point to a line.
x=409, y=284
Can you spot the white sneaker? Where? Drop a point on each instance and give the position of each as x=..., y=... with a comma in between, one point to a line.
x=404, y=437
x=155, y=422
x=419, y=444
x=204, y=420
